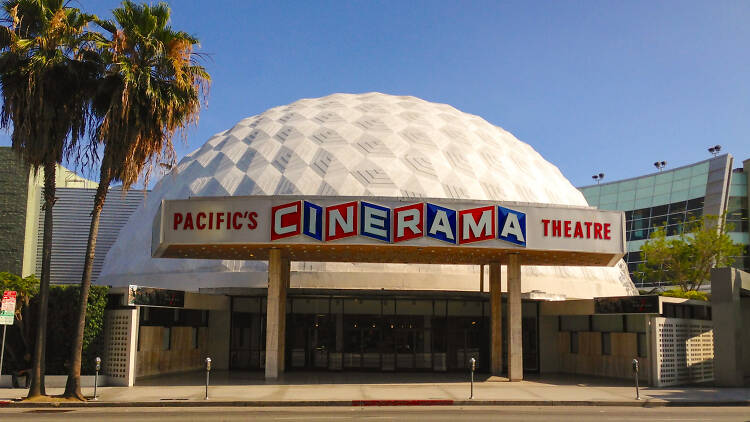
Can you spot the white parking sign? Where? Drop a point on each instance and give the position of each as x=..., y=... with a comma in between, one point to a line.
x=8, y=308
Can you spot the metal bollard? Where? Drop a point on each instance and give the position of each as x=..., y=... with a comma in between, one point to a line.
x=208, y=370
x=473, y=367
x=635, y=374
x=96, y=377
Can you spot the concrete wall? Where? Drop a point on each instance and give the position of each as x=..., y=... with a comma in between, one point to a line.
x=731, y=324
x=549, y=354
x=219, y=327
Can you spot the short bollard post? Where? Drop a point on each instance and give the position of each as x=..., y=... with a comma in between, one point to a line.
x=472, y=367
x=208, y=370
x=635, y=374
x=96, y=376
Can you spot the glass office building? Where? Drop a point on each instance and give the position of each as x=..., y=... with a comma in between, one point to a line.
x=672, y=197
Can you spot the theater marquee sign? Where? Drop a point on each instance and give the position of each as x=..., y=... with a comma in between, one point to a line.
x=374, y=229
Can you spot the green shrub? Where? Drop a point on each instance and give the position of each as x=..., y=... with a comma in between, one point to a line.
x=63, y=314
x=690, y=294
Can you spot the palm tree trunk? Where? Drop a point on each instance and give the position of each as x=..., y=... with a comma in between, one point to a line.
x=37, y=368
x=73, y=385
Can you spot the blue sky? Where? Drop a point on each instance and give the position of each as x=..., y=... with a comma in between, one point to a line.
x=594, y=86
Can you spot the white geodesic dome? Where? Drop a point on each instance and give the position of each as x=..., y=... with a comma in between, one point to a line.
x=357, y=145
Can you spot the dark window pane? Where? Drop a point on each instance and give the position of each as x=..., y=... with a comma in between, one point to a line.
x=606, y=344
x=642, y=349
x=640, y=224
x=677, y=206
x=696, y=203
x=639, y=234
x=674, y=230
x=737, y=226
x=573, y=342
x=628, y=215
x=660, y=210
x=694, y=214
x=658, y=221
x=628, y=225
x=736, y=205
x=676, y=218
x=642, y=213
x=633, y=256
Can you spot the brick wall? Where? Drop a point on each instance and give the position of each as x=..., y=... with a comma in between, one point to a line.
x=14, y=176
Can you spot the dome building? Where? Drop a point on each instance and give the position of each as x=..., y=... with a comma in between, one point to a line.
x=372, y=314
x=358, y=145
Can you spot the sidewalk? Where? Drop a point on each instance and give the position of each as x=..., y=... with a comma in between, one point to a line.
x=361, y=389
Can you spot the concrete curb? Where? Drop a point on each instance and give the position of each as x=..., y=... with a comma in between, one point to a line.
x=363, y=403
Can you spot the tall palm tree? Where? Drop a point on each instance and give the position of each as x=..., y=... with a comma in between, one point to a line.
x=152, y=87
x=45, y=90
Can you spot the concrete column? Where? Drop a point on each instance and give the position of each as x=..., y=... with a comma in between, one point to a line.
x=278, y=280
x=515, y=343
x=726, y=314
x=285, y=276
x=496, y=321
x=481, y=278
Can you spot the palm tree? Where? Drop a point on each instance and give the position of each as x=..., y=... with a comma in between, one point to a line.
x=45, y=89
x=152, y=87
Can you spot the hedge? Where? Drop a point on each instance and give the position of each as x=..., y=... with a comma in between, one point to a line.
x=61, y=320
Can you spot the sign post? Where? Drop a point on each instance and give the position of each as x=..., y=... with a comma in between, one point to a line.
x=7, y=313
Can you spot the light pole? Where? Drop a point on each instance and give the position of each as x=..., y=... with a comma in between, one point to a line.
x=598, y=177
x=714, y=150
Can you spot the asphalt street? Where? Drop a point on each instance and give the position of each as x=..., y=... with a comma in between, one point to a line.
x=433, y=413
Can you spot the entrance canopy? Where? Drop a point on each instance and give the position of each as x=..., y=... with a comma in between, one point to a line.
x=389, y=230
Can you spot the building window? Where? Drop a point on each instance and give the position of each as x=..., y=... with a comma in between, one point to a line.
x=145, y=313
x=166, y=339
x=195, y=338
x=606, y=344
x=642, y=349
x=573, y=342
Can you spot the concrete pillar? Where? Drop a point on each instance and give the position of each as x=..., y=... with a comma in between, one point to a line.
x=481, y=278
x=515, y=342
x=496, y=321
x=726, y=315
x=278, y=282
x=285, y=276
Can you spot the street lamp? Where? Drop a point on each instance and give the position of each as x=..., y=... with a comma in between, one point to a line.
x=715, y=150
x=598, y=177
x=660, y=165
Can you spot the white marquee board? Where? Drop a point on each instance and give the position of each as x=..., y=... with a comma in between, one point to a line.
x=325, y=220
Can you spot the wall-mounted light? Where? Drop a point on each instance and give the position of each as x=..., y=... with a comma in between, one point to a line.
x=660, y=165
